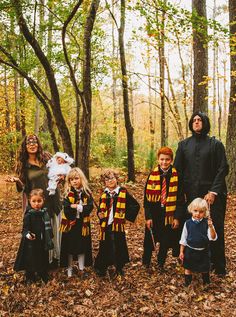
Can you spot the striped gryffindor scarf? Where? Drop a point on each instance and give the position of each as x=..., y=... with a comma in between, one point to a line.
x=119, y=214
x=153, y=192
x=67, y=224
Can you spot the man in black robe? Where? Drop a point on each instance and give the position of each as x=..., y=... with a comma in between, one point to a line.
x=202, y=166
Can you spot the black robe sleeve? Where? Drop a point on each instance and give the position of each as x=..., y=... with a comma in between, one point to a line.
x=221, y=168
x=132, y=207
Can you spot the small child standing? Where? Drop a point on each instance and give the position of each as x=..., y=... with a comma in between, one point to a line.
x=58, y=165
x=163, y=210
x=115, y=206
x=36, y=240
x=195, y=239
x=75, y=223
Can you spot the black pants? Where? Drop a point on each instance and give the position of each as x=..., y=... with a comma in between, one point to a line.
x=112, y=251
x=217, y=247
x=168, y=239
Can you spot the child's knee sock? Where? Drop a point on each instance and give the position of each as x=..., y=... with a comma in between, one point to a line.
x=81, y=258
x=188, y=279
x=70, y=261
x=206, y=278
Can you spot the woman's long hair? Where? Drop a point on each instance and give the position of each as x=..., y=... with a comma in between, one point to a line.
x=23, y=156
x=76, y=171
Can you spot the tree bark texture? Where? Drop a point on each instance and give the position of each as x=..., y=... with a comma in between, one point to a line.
x=231, y=131
x=128, y=124
x=55, y=99
x=87, y=90
x=200, y=56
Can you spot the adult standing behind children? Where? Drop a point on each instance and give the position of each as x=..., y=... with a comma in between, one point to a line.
x=116, y=206
x=163, y=211
x=32, y=173
x=202, y=166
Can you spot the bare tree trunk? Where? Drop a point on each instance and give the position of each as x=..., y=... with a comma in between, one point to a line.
x=184, y=86
x=114, y=81
x=218, y=94
x=128, y=125
x=161, y=54
x=17, y=104
x=87, y=91
x=55, y=98
x=200, y=51
x=6, y=97
x=225, y=92
x=231, y=131
x=151, y=123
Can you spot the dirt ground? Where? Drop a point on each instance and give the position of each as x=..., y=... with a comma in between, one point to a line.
x=138, y=293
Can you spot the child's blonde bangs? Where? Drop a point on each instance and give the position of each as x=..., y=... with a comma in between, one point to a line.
x=199, y=203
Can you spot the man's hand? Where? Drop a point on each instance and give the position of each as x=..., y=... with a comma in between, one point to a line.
x=175, y=224
x=210, y=198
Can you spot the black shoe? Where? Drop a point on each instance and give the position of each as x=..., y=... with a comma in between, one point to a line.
x=187, y=279
x=54, y=264
x=44, y=276
x=100, y=273
x=206, y=278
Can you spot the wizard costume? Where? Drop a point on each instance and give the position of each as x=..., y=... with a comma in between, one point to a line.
x=117, y=206
x=76, y=232
x=32, y=255
x=162, y=214
x=202, y=165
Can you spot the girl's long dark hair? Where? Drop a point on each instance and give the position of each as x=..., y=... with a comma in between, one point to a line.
x=23, y=157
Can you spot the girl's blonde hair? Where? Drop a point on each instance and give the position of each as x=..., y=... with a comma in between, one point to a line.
x=76, y=171
x=199, y=203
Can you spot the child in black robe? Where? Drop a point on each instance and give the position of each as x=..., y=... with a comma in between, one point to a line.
x=163, y=210
x=115, y=207
x=36, y=240
x=75, y=224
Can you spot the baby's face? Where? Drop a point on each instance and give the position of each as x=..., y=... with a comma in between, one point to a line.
x=60, y=160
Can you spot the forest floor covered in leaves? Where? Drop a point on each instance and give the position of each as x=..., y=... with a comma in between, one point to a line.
x=138, y=293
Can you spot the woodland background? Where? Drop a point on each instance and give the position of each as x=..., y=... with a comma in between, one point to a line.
x=110, y=81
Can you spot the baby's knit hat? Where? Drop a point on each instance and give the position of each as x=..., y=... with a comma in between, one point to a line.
x=65, y=157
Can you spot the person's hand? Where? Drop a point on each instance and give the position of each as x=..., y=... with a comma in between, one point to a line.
x=101, y=215
x=175, y=224
x=60, y=179
x=181, y=256
x=30, y=236
x=12, y=179
x=210, y=198
x=210, y=222
x=149, y=223
x=73, y=206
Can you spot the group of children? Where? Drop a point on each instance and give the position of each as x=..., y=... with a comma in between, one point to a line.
x=164, y=213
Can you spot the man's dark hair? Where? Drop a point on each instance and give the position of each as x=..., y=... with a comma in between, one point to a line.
x=205, y=122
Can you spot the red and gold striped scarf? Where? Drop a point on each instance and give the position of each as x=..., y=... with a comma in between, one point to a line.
x=119, y=214
x=153, y=192
x=67, y=224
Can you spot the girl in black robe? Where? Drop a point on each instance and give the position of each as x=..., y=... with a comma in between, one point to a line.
x=36, y=240
x=75, y=224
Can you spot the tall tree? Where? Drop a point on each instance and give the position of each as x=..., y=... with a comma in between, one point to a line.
x=200, y=59
x=128, y=124
x=231, y=131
